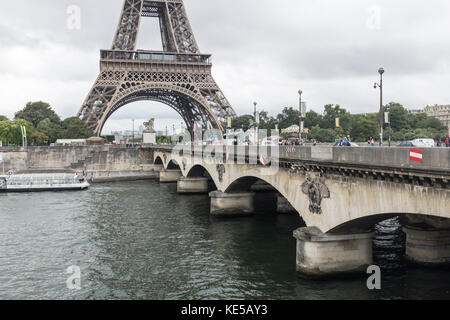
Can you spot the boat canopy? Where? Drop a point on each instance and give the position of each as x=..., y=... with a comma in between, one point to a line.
x=44, y=179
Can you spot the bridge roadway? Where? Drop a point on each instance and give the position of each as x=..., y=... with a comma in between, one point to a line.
x=340, y=193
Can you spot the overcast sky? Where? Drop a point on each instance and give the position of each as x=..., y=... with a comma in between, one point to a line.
x=262, y=50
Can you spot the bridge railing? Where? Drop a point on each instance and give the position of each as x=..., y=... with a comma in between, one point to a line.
x=156, y=56
x=436, y=160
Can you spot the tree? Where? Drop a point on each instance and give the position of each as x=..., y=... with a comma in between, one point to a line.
x=35, y=112
x=109, y=138
x=50, y=129
x=363, y=128
x=399, y=116
x=266, y=122
x=331, y=113
x=10, y=132
x=39, y=138
x=243, y=122
x=322, y=135
x=74, y=128
x=288, y=117
x=163, y=139
x=313, y=119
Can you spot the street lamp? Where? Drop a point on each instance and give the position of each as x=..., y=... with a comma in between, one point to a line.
x=133, y=131
x=256, y=122
x=300, y=92
x=380, y=85
x=388, y=119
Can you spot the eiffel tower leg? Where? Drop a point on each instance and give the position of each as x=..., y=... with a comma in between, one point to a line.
x=99, y=99
x=114, y=89
x=128, y=28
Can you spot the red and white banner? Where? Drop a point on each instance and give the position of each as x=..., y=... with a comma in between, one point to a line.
x=290, y=149
x=264, y=160
x=416, y=155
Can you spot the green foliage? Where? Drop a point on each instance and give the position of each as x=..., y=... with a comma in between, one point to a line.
x=266, y=122
x=243, y=122
x=288, y=117
x=109, y=138
x=50, y=129
x=399, y=116
x=39, y=138
x=163, y=139
x=404, y=125
x=44, y=125
x=35, y=112
x=322, y=135
x=74, y=128
x=10, y=132
x=363, y=128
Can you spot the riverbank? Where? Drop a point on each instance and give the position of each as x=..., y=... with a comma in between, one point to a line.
x=106, y=176
x=104, y=163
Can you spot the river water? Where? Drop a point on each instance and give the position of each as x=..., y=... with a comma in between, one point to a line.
x=141, y=240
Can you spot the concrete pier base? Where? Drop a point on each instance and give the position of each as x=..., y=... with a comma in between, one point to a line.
x=232, y=204
x=430, y=247
x=192, y=185
x=169, y=176
x=283, y=206
x=327, y=255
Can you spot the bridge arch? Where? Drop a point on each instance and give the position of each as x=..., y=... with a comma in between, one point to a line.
x=351, y=201
x=198, y=171
x=366, y=223
x=173, y=165
x=185, y=99
x=158, y=161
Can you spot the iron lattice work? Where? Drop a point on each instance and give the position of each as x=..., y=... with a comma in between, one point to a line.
x=179, y=76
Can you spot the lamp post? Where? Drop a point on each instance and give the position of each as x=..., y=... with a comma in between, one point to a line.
x=133, y=131
x=388, y=119
x=256, y=123
x=300, y=92
x=380, y=85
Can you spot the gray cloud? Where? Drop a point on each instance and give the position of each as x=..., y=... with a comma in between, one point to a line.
x=262, y=50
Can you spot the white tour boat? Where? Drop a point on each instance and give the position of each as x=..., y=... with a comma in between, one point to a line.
x=43, y=182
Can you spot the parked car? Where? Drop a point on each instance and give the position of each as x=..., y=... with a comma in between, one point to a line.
x=406, y=144
x=418, y=143
x=424, y=143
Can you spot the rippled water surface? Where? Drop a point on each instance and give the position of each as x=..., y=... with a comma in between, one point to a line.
x=140, y=240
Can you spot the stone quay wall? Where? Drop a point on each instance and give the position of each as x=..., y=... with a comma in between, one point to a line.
x=76, y=159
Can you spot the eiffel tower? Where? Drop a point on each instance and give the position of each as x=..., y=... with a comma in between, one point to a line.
x=179, y=76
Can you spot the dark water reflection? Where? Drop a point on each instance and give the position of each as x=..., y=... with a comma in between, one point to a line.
x=140, y=240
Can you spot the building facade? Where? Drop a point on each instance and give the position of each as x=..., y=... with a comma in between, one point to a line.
x=440, y=112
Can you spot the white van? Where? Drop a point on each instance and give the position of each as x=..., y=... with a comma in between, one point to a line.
x=423, y=143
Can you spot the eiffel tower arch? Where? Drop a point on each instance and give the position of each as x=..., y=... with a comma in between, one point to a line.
x=179, y=76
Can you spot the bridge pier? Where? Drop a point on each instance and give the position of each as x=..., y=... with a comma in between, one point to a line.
x=169, y=176
x=193, y=185
x=232, y=204
x=323, y=255
x=427, y=246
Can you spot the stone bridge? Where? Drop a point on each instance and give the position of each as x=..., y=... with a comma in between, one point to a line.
x=340, y=193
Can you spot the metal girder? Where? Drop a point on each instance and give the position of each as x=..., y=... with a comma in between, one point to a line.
x=179, y=76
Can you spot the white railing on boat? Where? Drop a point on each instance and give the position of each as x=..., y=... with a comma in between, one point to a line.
x=43, y=179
